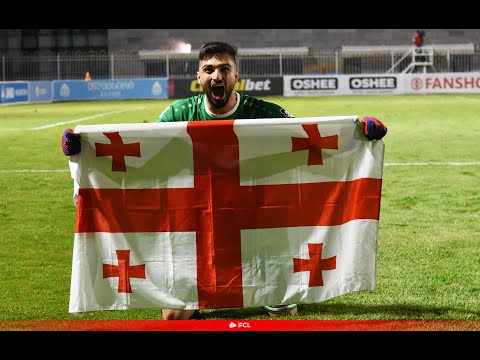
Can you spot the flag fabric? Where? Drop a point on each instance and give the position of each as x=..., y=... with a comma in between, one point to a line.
x=224, y=213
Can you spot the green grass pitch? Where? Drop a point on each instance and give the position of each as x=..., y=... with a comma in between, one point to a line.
x=428, y=263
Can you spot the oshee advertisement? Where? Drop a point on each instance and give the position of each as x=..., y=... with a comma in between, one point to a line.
x=445, y=83
x=318, y=85
x=266, y=86
x=310, y=85
x=110, y=89
x=366, y=84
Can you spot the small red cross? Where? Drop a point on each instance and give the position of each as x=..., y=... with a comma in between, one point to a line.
x=124, y=271
x=315, y=264
x=314, y=143
x=117, y=150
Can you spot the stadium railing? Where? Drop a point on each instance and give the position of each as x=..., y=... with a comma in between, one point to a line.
x=148, y=64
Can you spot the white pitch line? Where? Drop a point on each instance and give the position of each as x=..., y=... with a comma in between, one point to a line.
x=386, y=164
x=467, y=98
x=32, y=171
x=434, y=163
x=80, y=119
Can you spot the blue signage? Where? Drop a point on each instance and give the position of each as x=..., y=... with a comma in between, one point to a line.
x=40, y=91
x=13, y=92
x=70, y=90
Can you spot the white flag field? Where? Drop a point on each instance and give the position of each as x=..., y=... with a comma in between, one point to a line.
x=224, y=213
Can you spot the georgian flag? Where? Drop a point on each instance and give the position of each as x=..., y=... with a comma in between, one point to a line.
x=224, y=213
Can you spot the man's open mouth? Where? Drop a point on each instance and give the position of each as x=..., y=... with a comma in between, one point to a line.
x=218, y=92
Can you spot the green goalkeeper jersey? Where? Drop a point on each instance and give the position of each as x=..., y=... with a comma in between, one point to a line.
x=247, y=107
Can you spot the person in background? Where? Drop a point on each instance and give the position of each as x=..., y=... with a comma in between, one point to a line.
x=217, y=74
x=419, y=38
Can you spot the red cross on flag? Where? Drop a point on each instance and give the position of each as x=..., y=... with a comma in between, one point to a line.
x=224, y=213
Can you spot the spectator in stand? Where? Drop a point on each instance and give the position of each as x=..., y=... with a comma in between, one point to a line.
x=419, y=38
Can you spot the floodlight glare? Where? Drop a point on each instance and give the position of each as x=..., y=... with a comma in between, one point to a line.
x=183, y=47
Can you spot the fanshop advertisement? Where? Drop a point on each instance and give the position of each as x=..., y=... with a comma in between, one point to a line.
x=446, y=83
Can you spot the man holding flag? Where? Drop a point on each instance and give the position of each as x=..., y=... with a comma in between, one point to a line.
x=217, y=75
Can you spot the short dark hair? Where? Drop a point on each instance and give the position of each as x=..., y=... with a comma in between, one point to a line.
x=214, y=48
